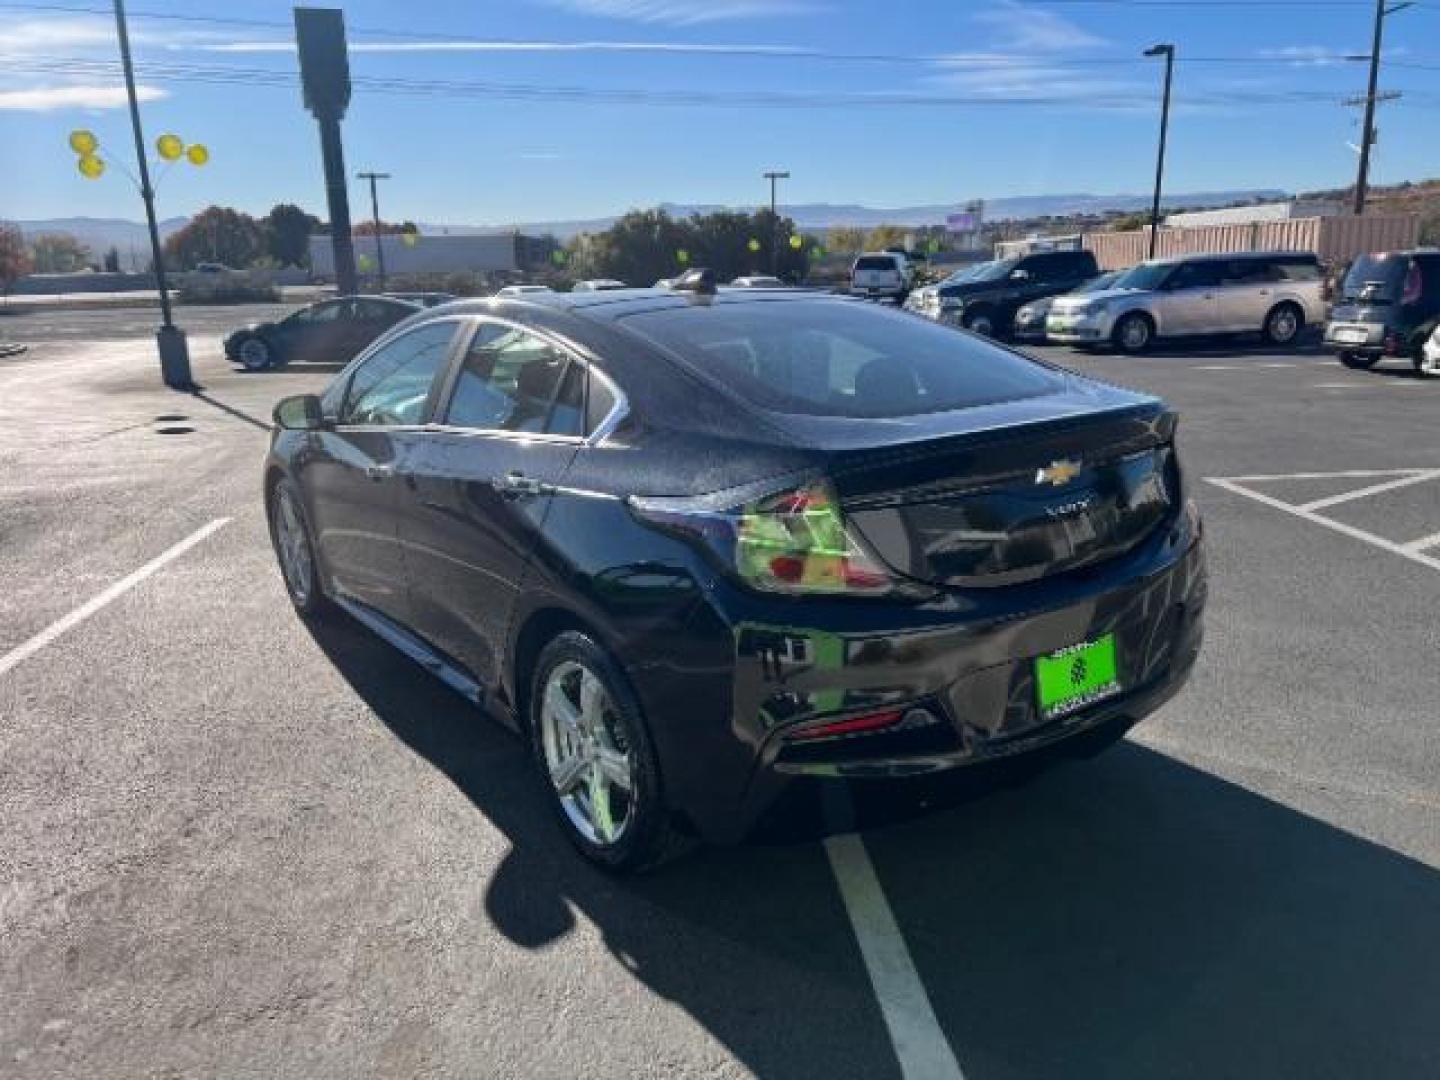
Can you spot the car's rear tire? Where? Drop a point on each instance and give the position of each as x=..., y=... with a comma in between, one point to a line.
x=594, y=751
x=1283, y=324
x=254, y=353
x=1134, y=332
x=1423, y=368
x=295, y=549
x=1359, y=361
x=979, y=322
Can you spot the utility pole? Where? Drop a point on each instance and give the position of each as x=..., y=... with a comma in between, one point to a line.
x=773, y=176
x=1167, y=51
x=174, y=353
x=1372, y=96
x=375, y=217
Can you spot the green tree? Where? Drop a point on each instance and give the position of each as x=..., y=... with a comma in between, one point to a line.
x=387, y=228
x=14, y=259
x=216, y=234
x=642, y=247
x=885, y=236
x=845, y=239
x=287, y=234
x=58, y=253
x=1129, y=222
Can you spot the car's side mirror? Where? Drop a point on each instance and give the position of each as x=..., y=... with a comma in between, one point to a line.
x=299, y=413
x=1019, y=275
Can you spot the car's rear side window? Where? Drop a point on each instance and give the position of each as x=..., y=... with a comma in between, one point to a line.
x=515, y=381
x=838, y=358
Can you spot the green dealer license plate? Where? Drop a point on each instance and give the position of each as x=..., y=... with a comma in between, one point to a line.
x=1077, y=676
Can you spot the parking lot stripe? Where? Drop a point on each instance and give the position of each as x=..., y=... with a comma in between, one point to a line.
x=1358, y=474
x=920, y=1045
x=1424, y=542
x=1373, y=489
x=29, y=648
x=1317, y=519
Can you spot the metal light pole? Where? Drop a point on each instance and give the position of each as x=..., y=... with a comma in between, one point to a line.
x=773, y=176
x=1362, y=178
x=375, y=217
x=1167, y=51
x=174, y=353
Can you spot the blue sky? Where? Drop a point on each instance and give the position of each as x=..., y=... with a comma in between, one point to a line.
x=548, y=109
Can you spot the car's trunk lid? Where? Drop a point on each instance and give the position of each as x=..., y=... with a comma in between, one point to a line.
x=1054, y=488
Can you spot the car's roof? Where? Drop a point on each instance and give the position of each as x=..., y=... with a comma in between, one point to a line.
x=608, y=305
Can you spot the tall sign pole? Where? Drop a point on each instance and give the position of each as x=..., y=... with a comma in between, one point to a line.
x=325, y=79
x=174, y=353
x=774, y=175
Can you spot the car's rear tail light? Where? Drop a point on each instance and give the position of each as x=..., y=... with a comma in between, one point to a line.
x=1414, y=285
x=792, y=541
x=864, y=724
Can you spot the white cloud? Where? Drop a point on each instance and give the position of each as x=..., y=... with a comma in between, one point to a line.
x=687, y=12
x=50, y=98
x=1022, y=28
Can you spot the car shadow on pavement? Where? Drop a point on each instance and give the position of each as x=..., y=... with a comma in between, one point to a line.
x=1130, y=916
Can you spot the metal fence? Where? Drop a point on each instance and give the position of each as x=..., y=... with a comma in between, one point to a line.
x=1334, y=239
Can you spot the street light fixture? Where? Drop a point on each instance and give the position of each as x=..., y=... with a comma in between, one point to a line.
x=1167, y=51
x=772, y=176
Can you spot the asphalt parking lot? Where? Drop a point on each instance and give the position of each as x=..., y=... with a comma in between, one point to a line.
x=237, y=846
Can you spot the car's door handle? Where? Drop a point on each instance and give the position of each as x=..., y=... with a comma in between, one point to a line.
x=379, y=472
x=515, y=484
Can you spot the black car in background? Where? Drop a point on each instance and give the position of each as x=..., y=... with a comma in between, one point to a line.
x=985, y=298
x=697, y=547
x=331, y=331
x=1389, y=305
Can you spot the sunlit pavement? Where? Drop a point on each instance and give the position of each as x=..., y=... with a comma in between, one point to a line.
x=235, y=846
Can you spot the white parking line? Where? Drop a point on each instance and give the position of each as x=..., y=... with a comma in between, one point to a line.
x=1424, y=542
x=1359, y=474
x=1373, y=489
x=920, y=1045
x=1403, y=550
x=29, y=648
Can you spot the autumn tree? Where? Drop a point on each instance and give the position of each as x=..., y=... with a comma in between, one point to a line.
x=845, y=239
x=58, y=253
x=216, y=234
x=14, y=259
x=885, y=236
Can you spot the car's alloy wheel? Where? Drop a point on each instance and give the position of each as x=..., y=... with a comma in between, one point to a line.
x=587, y=754
x=981, y=324
x=1134, y=332
x=596, y=757
x=295, y=551
x=254, y=354
x=1282, y=325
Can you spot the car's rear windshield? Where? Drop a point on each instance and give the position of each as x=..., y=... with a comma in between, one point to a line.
x=1376, y=277
x=875, y=262
x=840, y=358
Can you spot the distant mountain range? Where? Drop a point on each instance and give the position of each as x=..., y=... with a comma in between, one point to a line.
x=101, y=234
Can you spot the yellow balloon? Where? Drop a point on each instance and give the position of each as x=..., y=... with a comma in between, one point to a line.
x=682, y=256
x=90, y=166
x=197, y=154
x=83, y=142
x=169, y=147
x=797, y=242
x=753, y=245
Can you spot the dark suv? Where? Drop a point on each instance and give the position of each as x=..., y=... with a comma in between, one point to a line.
x=985, y=298
x=1388, y=306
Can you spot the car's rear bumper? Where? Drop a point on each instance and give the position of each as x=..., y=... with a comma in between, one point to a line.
x=968, y=662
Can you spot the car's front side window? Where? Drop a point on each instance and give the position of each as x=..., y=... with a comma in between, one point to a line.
x=392, y=386
x=512, y=380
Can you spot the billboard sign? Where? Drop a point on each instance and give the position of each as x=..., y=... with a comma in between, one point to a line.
x=965, y=221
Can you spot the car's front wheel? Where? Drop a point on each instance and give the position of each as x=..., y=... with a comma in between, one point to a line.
x=980, y=322
x=1134, y=332
x=255, y=353
x=295, y=549
x=594, y=751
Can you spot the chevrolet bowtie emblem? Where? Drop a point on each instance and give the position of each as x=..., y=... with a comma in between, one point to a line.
x=1058, y=473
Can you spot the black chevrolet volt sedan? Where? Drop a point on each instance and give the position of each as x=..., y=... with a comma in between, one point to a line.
x=696, y=546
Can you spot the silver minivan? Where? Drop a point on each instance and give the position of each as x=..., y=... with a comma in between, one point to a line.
x=1277, y=294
